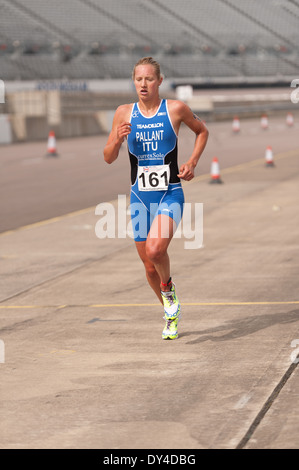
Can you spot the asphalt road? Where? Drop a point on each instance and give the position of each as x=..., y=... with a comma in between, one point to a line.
x=82, y=361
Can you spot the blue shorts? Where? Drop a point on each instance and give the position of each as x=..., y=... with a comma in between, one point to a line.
x=146, y=205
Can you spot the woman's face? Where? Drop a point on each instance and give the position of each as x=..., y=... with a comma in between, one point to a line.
x=146, y=82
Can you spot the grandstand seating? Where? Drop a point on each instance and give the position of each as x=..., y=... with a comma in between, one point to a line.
x=90, y=39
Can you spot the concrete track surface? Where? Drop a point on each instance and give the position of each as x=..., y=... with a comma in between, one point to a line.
x=83, y=364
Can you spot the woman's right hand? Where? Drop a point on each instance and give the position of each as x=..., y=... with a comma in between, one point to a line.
x=123, y=130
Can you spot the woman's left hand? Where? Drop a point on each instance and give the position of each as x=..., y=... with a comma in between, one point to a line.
x=186, y=172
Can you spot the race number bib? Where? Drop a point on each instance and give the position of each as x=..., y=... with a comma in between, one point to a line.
x=153, y=178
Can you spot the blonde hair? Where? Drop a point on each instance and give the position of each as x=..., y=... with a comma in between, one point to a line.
x=148, y=61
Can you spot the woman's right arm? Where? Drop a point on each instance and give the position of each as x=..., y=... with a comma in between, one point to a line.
x=120, y=129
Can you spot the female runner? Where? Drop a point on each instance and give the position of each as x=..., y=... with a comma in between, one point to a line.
x=151, y=127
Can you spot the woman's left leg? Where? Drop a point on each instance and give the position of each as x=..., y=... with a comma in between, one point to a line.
x=152, y=275
x=158, y=240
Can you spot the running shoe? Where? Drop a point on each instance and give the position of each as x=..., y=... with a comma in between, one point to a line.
x=171, y=328
x=171, y=303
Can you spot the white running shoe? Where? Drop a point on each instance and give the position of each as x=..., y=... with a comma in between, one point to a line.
x=171, y=303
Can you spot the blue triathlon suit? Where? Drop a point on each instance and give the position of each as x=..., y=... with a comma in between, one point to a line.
x=155, y=186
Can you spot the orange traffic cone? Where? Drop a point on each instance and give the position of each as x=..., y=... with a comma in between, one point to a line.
x=290, y=120
x=269, y=156
x=52, y=152
x=215, y=172
x=264, y=122
x=236, y=125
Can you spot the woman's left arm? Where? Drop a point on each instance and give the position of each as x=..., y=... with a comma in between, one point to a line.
x=185, y=115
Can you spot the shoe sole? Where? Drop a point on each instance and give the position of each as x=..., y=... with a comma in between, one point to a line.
x=169, y=338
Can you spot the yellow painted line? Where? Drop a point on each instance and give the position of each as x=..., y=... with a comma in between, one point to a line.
x=20, y=307
x=243, y=303
x=123, y=305
x=188, y=304
x=184, y=304
x=63, y=351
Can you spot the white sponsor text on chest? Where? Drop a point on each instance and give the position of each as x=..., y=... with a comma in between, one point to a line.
x=148, y=136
